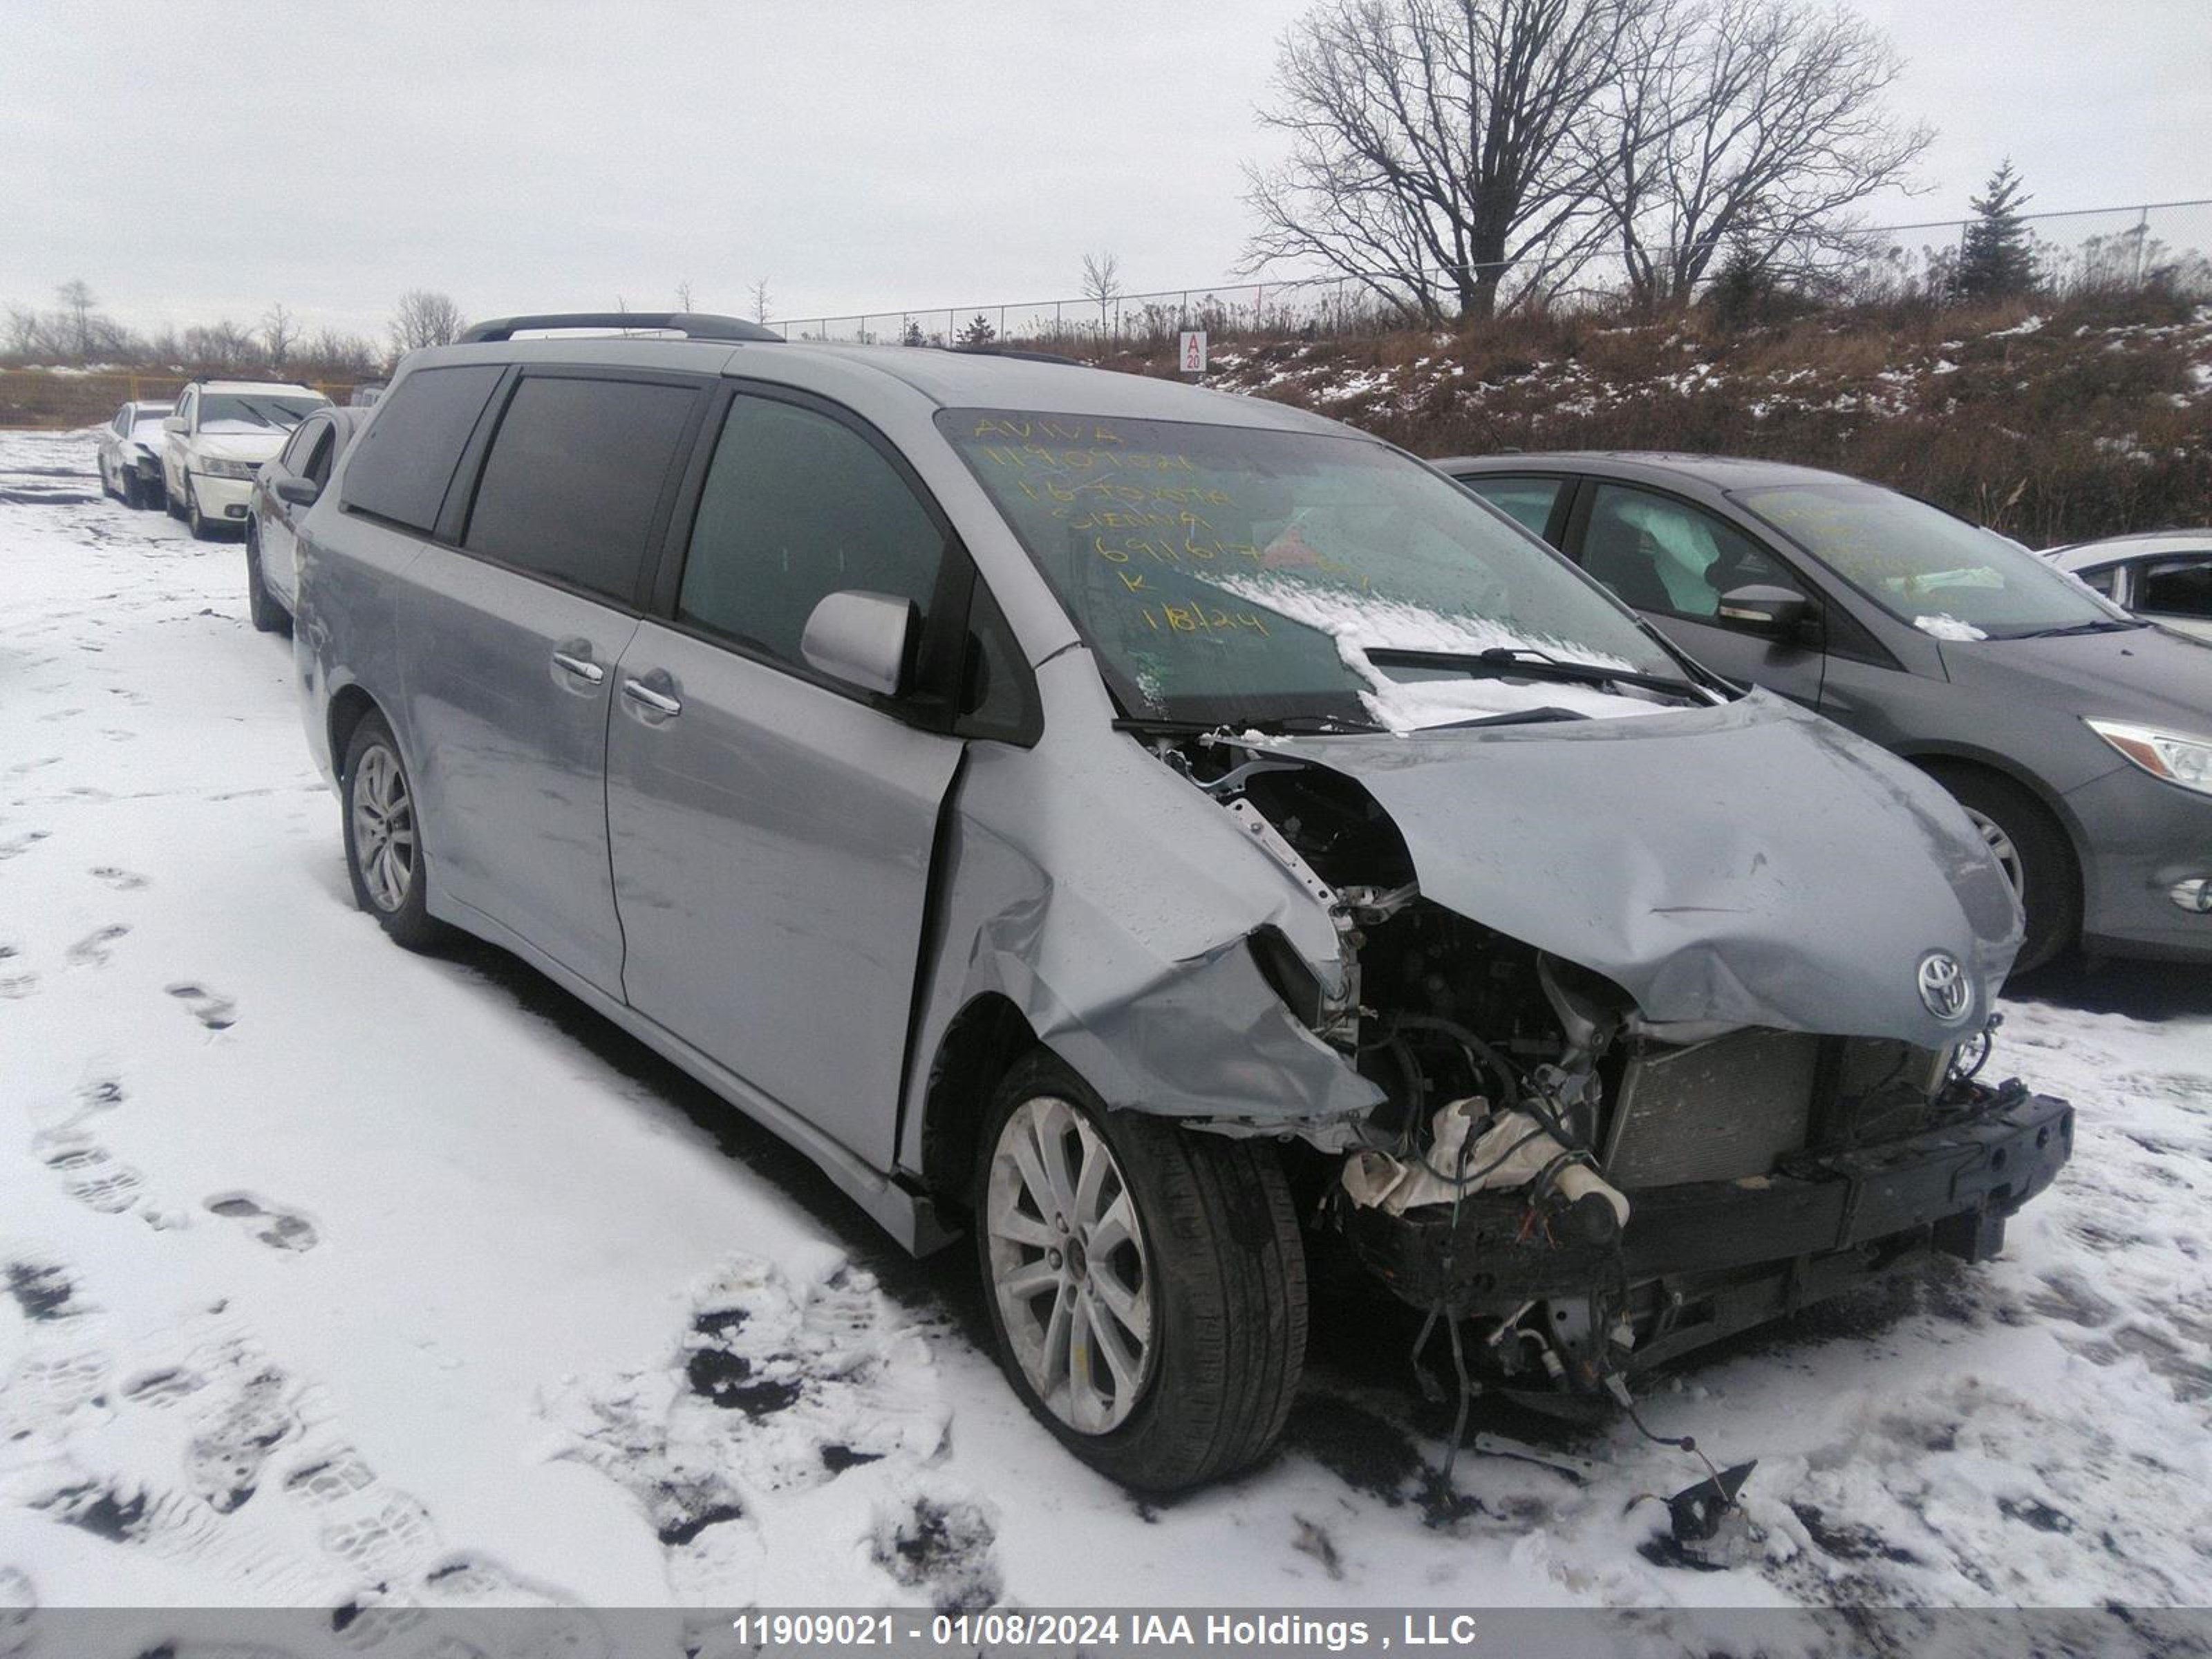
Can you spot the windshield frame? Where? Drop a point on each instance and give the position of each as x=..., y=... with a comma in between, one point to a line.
x=1681, y=675
x=2001, y=549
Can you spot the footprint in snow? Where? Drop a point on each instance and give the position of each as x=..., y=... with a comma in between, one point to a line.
x=274, y=1226
x=122, y=880
x=16, y=845
x=215, y=1011
x=18, y=1601
x=14, y=988
x=42, y=1290
x=91, y=951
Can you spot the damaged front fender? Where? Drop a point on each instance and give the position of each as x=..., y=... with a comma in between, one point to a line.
x=1114, y=906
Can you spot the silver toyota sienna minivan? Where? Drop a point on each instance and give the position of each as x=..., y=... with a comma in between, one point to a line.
x=1164, y=835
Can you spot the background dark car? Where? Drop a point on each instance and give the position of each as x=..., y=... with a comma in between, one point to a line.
x=273, y=511
x=2078, y=738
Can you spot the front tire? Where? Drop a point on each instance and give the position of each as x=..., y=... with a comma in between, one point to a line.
x=203, y=530
x=2035, y=854
x=268, y=616
x=383, y=841
x=1146, y=1283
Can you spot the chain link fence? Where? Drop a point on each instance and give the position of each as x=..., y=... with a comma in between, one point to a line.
x=2097, y=249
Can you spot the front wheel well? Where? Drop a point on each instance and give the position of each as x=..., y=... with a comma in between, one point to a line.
x=981, y=1045
x=349, y=709
x=2051, y=926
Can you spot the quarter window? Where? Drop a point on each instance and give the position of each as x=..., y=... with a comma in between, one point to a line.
x=796, y=507
x=1669, y=557
x=404, y=461
x=574, y=474
x=1526, y=502
x=2179, y=587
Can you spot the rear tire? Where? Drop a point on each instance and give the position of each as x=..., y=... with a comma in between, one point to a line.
x=268, y=616
x=2034, y=852
x=383, y=841
x=1200, y=1385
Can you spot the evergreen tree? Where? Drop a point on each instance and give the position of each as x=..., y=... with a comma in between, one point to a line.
x=978, y=332
x=1998, y=256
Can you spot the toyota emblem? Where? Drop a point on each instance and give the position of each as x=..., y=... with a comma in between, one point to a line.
x=1944, y=988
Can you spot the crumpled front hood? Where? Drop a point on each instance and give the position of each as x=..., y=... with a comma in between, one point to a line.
x=1751, y=863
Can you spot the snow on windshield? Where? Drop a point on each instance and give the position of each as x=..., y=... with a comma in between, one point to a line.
x=1361, y=624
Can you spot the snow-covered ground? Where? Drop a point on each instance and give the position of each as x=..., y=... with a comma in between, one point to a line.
x=340, y=1273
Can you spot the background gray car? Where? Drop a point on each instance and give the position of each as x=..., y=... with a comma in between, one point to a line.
x=282, y=489
x=1164, y=834
x=2078, y=738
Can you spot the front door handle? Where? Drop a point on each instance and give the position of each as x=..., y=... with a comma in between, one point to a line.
x=582, y=667
x=659, y=702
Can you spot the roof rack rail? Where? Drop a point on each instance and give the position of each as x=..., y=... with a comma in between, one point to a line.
x=692, y=324
x=1016, y=351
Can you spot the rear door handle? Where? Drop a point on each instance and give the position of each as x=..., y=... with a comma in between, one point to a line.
x=658, y=702
x=582, y=667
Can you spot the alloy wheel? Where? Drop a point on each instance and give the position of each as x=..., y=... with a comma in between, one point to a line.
x=383, y=827
x=2006, y=853
x=1068, y=1266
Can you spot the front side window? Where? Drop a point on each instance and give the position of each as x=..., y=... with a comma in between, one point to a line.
x=1242, y=574
x=797, y=506
x=401, y=468
x=238, y=414
x=325, y=450
x=1526, y=502
x=576, y=470
x=1942, y=574
x=2177, y=587
x=293, y=458
x=1669, y=557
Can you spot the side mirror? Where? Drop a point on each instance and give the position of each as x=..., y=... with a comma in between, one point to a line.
x=865, y=640
x=299, y=492
x=173, y=423
x=1778, y=613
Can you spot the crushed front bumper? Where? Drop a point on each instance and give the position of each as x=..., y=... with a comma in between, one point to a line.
x=1705, y=1260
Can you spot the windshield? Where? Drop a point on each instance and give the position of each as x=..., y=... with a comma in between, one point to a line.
x=257, y=411
x=147, y=420
x=1942, y=574
x=1227, y=575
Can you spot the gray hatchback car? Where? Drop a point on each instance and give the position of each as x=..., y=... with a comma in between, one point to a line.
x=2078, y=737
x=1163, y=834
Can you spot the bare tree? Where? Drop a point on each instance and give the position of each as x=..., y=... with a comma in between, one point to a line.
x=280, y=331
x=340, y=354
x=1432, y=156
x=760, y=300
x=425, y=318
x=76, y=299
x=683, y=297
x=1747, y=129
x=1101, y=280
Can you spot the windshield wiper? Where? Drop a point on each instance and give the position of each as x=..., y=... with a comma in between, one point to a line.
x=1527, y=659
x=1510, y=717
x=2102, y=625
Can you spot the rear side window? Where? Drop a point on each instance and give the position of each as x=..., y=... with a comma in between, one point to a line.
x=404, y=462
x=2181, y=588
x=797, y=506
x=1526, y=502
x=575, y=471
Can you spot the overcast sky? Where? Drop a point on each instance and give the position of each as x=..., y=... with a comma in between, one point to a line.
x=192, y=161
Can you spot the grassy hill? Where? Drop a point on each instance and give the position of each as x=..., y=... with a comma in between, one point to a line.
x=2051, y=421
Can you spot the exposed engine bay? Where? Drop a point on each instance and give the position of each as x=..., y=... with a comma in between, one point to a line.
x=1577, y=1192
